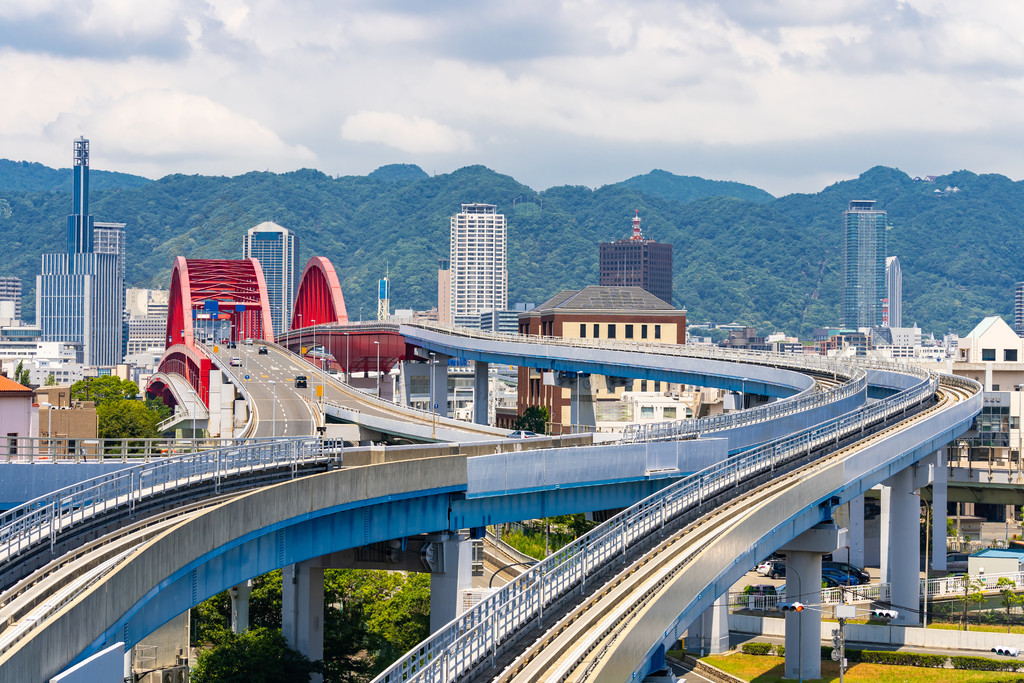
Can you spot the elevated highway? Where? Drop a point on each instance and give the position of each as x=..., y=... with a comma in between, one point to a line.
x=311, y=502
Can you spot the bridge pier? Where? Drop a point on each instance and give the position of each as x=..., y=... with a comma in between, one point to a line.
x=450, y=559
x=803, y=584
x=439, y=383
x=240, y=606
x=900, y=559
x=480, y=390
x=940, y=475
x=709, y=633
x=302, y=609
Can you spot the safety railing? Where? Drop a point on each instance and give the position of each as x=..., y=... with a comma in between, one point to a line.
x=40, y=450
x=839, y=595
x=42, y=519
x=496, y=623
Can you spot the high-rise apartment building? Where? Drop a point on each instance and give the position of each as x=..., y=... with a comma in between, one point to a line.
x=894, y=291
x=478, y=274
x=79, y=293
x=277, y=250
x=444, y=292
x=864, y=287
x=10, y=291
x=638, y=262
x=1018, y=309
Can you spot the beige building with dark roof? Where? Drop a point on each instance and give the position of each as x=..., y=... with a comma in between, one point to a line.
x=596, y=312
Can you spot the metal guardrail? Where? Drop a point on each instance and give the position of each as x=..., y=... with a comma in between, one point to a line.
x=30, y=449
x=493, y=626
x=40, y=520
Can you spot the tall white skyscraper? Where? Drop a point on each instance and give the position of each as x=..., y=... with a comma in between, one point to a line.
x=1018, y=308
x=10, y=290
x=894, y=289
x=277, y=250
x=478, y=272
x=79, y=293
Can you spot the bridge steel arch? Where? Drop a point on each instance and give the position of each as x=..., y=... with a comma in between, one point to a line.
x=240, y=290
x=319, y=299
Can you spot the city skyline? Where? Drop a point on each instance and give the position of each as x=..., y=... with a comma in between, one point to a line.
x=582, y=93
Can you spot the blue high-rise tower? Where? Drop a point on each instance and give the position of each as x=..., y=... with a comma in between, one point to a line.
x=864, y=289
x=79, y=293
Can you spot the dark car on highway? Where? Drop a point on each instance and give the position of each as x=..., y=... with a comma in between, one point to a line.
x=300, y=382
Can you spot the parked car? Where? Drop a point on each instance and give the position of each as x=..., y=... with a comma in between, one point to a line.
x=776, y=569
x=765, y=589
x=523, y=434
x=956, y=562
x=300, y=381
x=765, y=567
x=835, y=577
x=262, y=351
x=847, y=568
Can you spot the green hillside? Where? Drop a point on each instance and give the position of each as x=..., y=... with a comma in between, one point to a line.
x=26, y=176
x=771, y=263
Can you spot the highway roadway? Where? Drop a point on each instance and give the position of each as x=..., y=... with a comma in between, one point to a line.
x=281, y=409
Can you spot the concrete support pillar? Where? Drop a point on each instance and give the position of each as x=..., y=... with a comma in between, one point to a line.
x=709, y=633
x=939, y=504
x=302, y=609
x=480, y=397
x=883, y=533
x=581, y=402
x=803, y=584
x=439, y=383
x=904, y=545
x=451, y=573
x=803, y=629
x=240, y=606
x=855, y=531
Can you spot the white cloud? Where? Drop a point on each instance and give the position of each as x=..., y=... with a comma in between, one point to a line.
x=414, y=134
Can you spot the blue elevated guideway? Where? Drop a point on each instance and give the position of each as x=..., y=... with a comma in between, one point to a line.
x=267, y=507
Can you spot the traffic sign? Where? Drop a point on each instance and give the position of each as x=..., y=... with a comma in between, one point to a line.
x=247, y=377
x=835, y=655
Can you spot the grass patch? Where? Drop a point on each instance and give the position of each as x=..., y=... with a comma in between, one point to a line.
x=980, y=628
x=533, y=544
x=759, y=669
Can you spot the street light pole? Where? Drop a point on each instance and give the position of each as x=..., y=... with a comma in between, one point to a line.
x=433, y=410
x=377, y=343
x=348, y=374
x=927, y=542
x=273, y=411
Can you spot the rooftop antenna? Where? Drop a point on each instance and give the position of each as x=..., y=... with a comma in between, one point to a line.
x=638, y=236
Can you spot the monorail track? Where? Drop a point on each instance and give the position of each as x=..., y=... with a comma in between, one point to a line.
x=577, y=647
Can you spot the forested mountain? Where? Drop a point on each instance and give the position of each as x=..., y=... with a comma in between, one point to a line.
x=771, y=263
x=27, y=176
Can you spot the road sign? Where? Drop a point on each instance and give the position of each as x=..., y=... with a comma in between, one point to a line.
x=435, y=406
x=319, y=390
x=835, y=655
x=247, y=377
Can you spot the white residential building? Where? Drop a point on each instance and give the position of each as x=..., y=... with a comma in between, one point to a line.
x=478, y=272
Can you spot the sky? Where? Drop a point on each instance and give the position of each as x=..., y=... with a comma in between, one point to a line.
x=787, y=95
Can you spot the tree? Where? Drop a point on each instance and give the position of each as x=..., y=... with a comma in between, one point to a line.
x=125, y=419
x=534, y=419
x=105, y=388
x=21, y=374
x=259, y=655
x=1007, y=588
x=51, y=380
x=972, y=593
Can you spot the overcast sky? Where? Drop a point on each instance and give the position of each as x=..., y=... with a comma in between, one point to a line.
x=789, y=95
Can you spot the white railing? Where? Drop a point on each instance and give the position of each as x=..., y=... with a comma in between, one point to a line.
x=483, y=633
x=871, y=592
x=27, y=449
x=954, y=585
x=41, y=520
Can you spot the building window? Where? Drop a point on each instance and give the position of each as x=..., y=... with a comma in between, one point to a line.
x=611, y=331
x=670, y=413
x=643, y=331
x=995, y=387
x=657, y=331
x=597, y=330
x=988, y=354
x=646, y=411
x=629, y=331
x=643, y=385
x=583, y=331
x=1010, y=355
x=657, y=385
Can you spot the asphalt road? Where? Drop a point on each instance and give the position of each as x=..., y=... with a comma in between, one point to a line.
x=281, y=408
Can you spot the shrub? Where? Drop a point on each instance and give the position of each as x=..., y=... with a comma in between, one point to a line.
x=780, y=650
x=899, y=658
x=756, y=648
x=982, y=664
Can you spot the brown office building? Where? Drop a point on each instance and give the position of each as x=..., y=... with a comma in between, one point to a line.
x=595, y=312
x=638, y=262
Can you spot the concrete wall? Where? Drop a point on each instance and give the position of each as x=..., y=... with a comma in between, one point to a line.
x=879, y=634
x=23, y=481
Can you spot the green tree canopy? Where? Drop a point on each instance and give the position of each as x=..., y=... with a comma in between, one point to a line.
x=534, y=419
x=106, y=388
x=125, y=419
x=259, y=655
